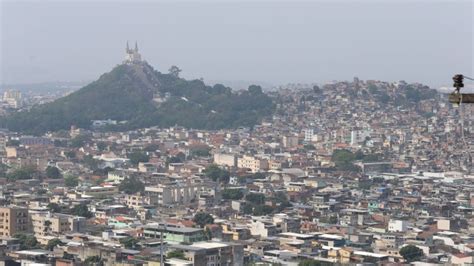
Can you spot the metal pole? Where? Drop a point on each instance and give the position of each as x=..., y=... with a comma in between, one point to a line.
x=162, y=263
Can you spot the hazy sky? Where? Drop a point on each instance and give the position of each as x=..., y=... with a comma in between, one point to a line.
x=275, y=42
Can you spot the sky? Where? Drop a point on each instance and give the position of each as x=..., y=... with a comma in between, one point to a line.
x=276, y=42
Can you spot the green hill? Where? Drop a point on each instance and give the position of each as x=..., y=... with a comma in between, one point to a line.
x=143, y=97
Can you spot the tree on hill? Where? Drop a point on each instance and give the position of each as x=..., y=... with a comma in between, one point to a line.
x=138, y=157
x=281, y=199
x=82, y=210
x=102, y=171
x=255, y=89
x=179, y=254
x=151, y=147
x=129, y=242
x=53, y=243
x=174, y=159
x=373, y=89
x=371, y=158
x=27, y=241
x=90, y=162
x=255, y=198
x=94, y=261
x=247, y=209
x=309, y=147
x=53, y=207
x=126, y=94
x=262, y=209
x=215, y=173
x=232, y=194
x=202, y=218
x=200, y=152
x=3, y=169
x=71, y=181
x=411, y=253
x=131, y=185
x=13, y=143
x=256, y=176
x=174, y=71
x=343, y=160
x=25, y=172
x=70, y=154
x=53, y=172
x=80, y=140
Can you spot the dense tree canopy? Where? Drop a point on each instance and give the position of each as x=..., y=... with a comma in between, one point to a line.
x=25, y=172
x=411, y=253
x=200, y=152
x=255, y=198
x=179, y=254
x=343, y=160
x=53, y=243
x=232, y=194
x=12, y=143
x=262, y=209
x=216, y=173
x=138, y=157
x=131, y=185
x=126, y=94
x=129, y=242
x=53, y=172
x=94, y=260
x=202, y=218
x=71, y=181
x=27, y=241
x=80, y=141
x=82, y=210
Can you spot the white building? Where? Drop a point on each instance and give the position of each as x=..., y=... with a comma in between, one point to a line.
x=116, y=177
x=13, y=98
x=174, y=192
x=359, y=136
x=132, y=56
x=397, y=226
x=223, y=159
x=263, y=228
x=308, y=135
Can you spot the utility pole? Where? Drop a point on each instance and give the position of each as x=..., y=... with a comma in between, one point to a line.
x=162, y=262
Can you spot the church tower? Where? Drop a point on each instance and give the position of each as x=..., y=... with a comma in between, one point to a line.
x=132, y=56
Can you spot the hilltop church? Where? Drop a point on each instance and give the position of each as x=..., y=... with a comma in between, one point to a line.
x=132, y=56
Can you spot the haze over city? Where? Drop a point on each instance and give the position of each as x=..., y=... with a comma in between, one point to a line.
x=275, y=43
x=236, y=133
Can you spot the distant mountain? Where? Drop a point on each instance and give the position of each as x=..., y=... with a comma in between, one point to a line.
x=142, y=97
x=44, y=87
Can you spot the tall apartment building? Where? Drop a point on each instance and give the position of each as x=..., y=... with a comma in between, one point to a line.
x=290, y=141
x=175, y=192
x=252, y=163
x=225, y=159
x=308, y=135
x=358, y=136
x=47, y=224
x=13, y=219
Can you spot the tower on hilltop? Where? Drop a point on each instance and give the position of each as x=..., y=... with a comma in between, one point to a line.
x=132, y=56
